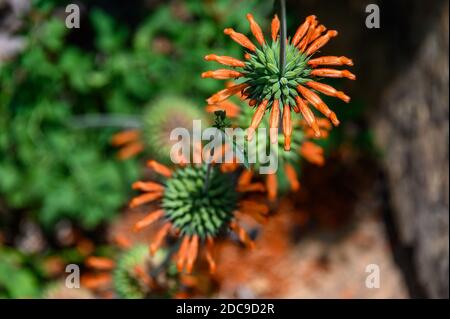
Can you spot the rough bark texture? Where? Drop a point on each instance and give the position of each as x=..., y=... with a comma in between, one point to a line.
x=412, y=129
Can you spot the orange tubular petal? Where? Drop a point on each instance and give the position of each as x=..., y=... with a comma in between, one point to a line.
x=162, y=233
x=275, y=26
x=209, y=255
x=240, y=39
x=291, y=175
x=125, y=137
x=308, y=115
x=252, y=102
x=242, y=234
x=313, y=153
x=331, y=73
x=130, y=150
x=145, y=198
x=229, y=167
x=272, y=186
x=192, y=254
x=256, y=29
x=96, y=281
x=274, y=121
x=182, y=253
x=328, y=90
x=257, y=118
x=287, y=127
x=148, y=186
x=331, y=60
x=320, y=42
x=159, y=168
x=122, y=241
x=301, y=31
x=100, y=263
x=245, y=178
x=226, y=93
x=315, y=100
x=304, y=42
x=225, y=60
x=317, y=32
x=230, y=108
x=222, y=74
x=148, y=220
x=255, y=187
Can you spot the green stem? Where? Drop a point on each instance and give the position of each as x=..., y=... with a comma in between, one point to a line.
x=283, y=32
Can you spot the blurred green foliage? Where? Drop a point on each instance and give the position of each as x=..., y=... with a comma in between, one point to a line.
x=51, y=166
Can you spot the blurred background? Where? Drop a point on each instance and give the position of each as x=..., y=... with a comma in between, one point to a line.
x=381, y=198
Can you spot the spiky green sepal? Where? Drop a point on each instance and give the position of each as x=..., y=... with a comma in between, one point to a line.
x=263, y=73
x=194, y=210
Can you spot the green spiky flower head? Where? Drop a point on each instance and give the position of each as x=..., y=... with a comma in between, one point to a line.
x=164, y=115
x=266, y=80
x=198, y=209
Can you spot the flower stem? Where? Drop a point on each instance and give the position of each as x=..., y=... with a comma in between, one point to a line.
x=283, y=32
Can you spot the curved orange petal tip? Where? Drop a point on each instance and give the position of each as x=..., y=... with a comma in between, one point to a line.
x=331, y=60
x=226, y=93
x=145, y=198
x=182, y=253
x=256, y=29
x=272, y=186
x=313, y=153
x=222, y=74
x=148, y=186
x=291, y=175
x=274, y=121
x=100, y=263
x=159, y=168
x=331, y=73
x=320, y=42
x=125, y=137
x=159, y=238
x=148, y=220
x=287, y=127
x=257, y=118
x=225, y=60
x=130, y=150
x=240, y=39
x=275, y=27
x=301, y=31
x=122, y=241
x=96, y=281
x=328, y=90
x=192, y=253
x=209, y=255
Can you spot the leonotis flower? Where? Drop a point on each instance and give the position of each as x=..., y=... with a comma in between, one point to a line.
x=196, y=214
x=128, y=276
x=269, y=87
x=289, y=163
x=158, y=120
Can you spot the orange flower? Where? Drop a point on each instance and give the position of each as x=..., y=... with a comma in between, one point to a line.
x=194, y=213
x=268, y=87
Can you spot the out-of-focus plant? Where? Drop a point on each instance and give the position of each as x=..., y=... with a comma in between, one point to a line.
x=52, y=159
x=17, y=279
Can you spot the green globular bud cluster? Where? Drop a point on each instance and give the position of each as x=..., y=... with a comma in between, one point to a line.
x=126, y=285
x=195, y=211
x=161, y=117
x=266, y=78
